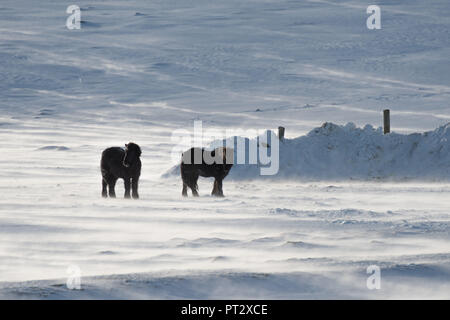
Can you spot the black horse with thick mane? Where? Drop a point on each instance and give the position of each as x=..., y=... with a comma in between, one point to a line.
x=121, y=163
x=197, y=162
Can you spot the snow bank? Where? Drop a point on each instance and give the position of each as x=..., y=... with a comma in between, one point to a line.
x=334, y=152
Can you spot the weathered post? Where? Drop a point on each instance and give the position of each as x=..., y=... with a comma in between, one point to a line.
x=387, y=121
x=281, y=133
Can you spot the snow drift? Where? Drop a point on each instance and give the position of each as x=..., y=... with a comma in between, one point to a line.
x=335, y=152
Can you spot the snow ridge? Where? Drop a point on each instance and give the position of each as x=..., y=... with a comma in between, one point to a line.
x=341, y=152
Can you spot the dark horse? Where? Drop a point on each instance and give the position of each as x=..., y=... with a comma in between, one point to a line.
x=197, y=162
x=119, y=163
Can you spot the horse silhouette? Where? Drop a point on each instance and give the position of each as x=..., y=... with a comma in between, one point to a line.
x=121, y=163
x=197, y=162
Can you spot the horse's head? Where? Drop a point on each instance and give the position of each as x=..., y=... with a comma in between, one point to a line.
x=132, y=153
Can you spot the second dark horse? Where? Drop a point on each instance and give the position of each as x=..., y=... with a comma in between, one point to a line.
x=121, y=163
x=197, y=162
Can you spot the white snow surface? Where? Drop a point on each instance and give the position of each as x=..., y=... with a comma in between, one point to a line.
x=346, y=196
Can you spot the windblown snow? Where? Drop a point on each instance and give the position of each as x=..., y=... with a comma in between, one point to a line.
x=346, y=197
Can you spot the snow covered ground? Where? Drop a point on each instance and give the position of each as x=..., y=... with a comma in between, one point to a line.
x=138, y=70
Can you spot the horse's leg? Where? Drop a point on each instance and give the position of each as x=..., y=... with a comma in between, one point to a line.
x=215, y=188
x=104, y=190
x=134, y=187
x=127, y=184
x=217, y=191
x=111, y=185
x=194, y=185
x=184, y=192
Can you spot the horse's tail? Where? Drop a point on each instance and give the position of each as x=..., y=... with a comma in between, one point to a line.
x=188, y=177
x=194, y=186
x=191, y=182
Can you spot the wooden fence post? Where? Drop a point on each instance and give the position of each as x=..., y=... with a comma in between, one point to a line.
x=281, y=133
x=386, y=121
